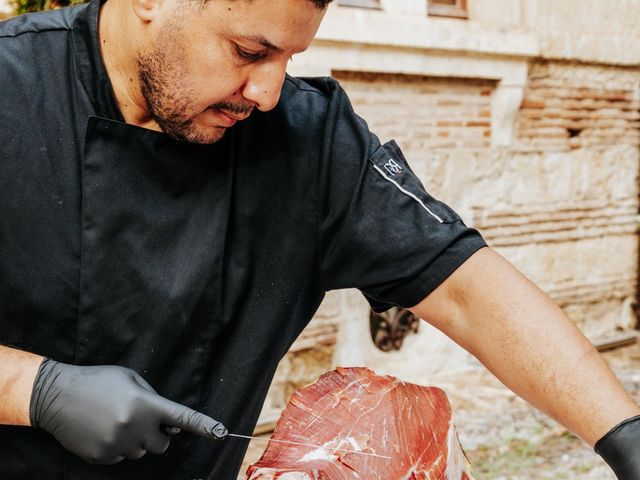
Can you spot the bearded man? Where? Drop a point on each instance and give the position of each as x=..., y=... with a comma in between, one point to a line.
x=174, y=208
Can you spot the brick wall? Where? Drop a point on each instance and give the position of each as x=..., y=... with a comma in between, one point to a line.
x=563, y=109
x=423, y=113
x=560, y=203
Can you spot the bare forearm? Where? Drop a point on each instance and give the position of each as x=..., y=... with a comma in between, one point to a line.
x=529, y=344
x=17, y=373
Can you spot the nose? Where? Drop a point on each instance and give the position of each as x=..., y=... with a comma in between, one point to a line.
x=264, y=84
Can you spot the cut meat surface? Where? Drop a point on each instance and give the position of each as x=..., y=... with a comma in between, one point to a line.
x=356, y=410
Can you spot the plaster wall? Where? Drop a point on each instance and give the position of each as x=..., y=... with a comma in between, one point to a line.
x=597, y=31
x=564, y=212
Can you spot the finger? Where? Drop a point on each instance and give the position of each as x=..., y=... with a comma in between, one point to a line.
x=195, y=422
x=176, y=415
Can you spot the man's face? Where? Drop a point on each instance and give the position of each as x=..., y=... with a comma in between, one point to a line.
x=211, y=64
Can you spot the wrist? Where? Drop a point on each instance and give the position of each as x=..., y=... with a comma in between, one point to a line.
x=620, y=448
x=45, y=370
x=17, y=375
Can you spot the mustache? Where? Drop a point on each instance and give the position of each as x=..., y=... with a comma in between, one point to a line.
x=237, y=109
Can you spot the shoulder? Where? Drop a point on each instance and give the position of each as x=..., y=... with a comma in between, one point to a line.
x=315, y=86
x=314, y=96
x=34, y=46
x=318, y=103
x=36, y=23
x=36, y=61
x=305, y=111
x=29, y=41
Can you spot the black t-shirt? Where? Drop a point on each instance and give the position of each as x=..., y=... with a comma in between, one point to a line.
x=197, y=266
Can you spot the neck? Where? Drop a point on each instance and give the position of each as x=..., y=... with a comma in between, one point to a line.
x=119, y=51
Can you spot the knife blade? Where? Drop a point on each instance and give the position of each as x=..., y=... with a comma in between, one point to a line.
x=308, y=445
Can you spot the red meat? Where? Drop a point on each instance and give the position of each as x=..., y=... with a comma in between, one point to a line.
x=354, y=409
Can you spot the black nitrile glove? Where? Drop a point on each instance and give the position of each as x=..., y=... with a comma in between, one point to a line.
x=620, y=448
x=108, y=413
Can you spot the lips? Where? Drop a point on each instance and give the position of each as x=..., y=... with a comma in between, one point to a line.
x=237, y=118
x=228, y=119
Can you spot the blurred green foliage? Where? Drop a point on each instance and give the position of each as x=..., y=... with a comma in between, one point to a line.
x=24, y=6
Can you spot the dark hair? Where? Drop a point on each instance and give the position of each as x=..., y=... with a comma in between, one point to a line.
x=321, y=4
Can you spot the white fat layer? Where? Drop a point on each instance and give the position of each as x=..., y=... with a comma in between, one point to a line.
x=457, y=463
x=354, y=444
x=327, y=451
x=269, y=474
x=318, y=454
x=294, y=476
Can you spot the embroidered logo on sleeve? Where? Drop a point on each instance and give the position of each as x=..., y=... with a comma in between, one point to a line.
x=392, y=167
x=391, y=171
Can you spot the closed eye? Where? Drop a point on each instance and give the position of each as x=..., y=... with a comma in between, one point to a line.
x=250, y=56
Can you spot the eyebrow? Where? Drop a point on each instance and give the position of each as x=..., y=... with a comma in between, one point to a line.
x=262, y=41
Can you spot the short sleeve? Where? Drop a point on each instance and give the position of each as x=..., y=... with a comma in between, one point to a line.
x=380, y=231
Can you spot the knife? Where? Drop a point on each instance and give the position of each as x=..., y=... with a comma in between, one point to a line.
x=174, y=431
x=308, y=445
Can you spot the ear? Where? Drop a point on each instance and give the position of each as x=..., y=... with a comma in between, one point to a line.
x=146, y=10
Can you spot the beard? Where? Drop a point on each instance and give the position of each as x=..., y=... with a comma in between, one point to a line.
x=169, y=94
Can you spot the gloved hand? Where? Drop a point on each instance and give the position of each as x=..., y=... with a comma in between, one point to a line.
x=105, y=414
x=620, y=448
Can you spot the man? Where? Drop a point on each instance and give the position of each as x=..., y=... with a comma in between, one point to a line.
x=174, y=209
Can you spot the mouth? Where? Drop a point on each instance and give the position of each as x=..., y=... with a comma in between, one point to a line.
x=228, y=119
x=237, y=118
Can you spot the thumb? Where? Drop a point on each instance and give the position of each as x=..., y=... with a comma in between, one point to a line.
x=178, y=416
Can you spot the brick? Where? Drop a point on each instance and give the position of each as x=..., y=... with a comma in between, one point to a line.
x=478, y=124
x=449, y=123
x=544, y=132
x=475, y=144
x=444, y=145
x=531, y=114
x=448, y=103
x=527, y=103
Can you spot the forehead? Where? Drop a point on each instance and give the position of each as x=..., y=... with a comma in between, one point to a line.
x=287, y=25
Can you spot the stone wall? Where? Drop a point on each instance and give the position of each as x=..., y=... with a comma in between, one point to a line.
x=526, y=119
x=579, y=127
x=568, y=105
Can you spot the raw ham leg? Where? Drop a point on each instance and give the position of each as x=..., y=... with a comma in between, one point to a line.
x=355, y=409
